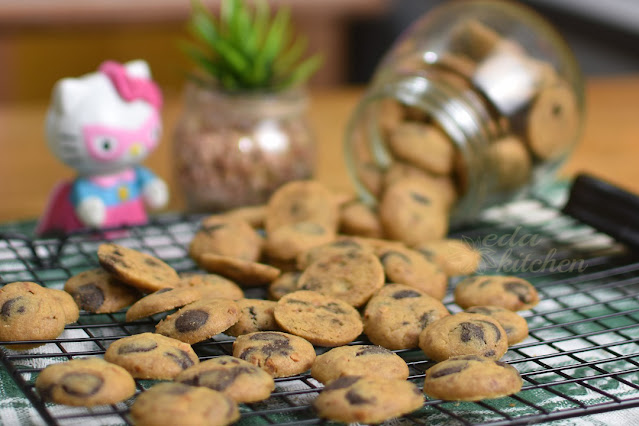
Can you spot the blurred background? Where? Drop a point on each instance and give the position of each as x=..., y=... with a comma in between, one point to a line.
x=42, y=41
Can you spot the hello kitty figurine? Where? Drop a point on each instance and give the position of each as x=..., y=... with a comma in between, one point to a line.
x=103, y=125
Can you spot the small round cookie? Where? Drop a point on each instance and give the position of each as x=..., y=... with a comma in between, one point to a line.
x=279, y=354
x=343, y=245
x=288, y=241
x=236, y=378
x=65, y=300
x=301, y=201
x=471, y=378
x=162, y=301
x=29, y=312
x=351, y=399
x=359, y=360
x=443, y=185
x=255, y=315
x=151, y=356
x=85, y=382
x=513, y=293
x=243, y=272
x=357, y=218
x=396, y=315
x=455, y=257
x=509, y=157
x=140, y=270
x=410, y=267
x=97, y=291
x=283, y=285
x=169, y=404
x=422, y=145
x=200, y=320
x=464, y=334
x=352, y=276
x=322, y=320
x=514, y=325
x=412, y=212
x=210, y=285
x=227, y=237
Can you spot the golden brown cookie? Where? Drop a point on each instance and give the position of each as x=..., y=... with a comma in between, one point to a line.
x=68, y=305
x=359, y=360
x=279, y=354
x=341, y=246
x=287, y=241
x=29, y=312
x=357, y=218
x=412, y=212
x=239, y=379
x=162, y=301
x=464, y=334
x=455, y=257
x=200, y=320
x=352, y=399
x=301, y=201
x=151, y=356
x=396, y=315
x=210, y=285
x=471, y=378
x=441, y=185
x=243, y=272
x=412, y=268
x=253, y=215
x=513, y=293
x=169, y=404
x=255, y=315
x=85, y=382
x=283, y=285
x=511, y=160
x=140, y=270
x=514, y=324
x=322, y=320
x=226, y=236
x=97, y=291
x=423, y=145
x=352, y=276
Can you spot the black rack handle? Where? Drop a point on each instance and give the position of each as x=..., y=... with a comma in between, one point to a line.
x=605, y=207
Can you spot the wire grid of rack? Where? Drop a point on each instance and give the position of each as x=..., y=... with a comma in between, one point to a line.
x=581, y=358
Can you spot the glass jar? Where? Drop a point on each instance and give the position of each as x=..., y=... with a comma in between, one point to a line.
x=481, y=97
x=232, y=150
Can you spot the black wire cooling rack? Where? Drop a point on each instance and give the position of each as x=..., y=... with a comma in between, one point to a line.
x=582, y=356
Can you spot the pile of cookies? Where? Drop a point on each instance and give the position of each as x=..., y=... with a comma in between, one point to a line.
x=326, y=287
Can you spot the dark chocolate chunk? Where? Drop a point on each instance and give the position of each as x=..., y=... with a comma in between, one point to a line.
x=252, y=314
x=372, y=350
x=81, y=384
x=425, y=319
x=191, y=320
x=420, y=198
x=151, y=262
x=489, y=353
x=519, y=289
x=334, y=308
x=8, y=305
x=470, y=331
x=133, y=347
x=354, y=398
x=447, y=371
x=342, y=382
x=403, y=294
x=89, y=297
x=392, y=253
x=180, y=357
x=219, y=379
x=497, y=331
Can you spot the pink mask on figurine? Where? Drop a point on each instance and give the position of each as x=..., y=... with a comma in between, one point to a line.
x=103, y=125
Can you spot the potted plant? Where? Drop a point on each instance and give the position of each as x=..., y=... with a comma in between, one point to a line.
x=243, y=131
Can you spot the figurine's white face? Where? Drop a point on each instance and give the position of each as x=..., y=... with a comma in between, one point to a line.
x=94, y=130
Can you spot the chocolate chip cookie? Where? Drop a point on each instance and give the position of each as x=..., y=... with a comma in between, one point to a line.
x=255, y=315
x=279, y=354
x=471, y=378
x=151, y=356
x=97, y=291
x=464, y=334
x=455, y=257
x=85, y=382
x=137, y=269
x=226, y=236
x=514, y=324
x=288, y=241
x=359, y=360
x=352, y=399
x=322, y=320
x=509, y=292
x=161, y=301
x=210, y=285
x=236, y=378
x=68, y=305
x=200, y=320
x=243, y=272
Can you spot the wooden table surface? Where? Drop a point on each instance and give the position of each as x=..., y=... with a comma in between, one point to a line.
x=609, y=147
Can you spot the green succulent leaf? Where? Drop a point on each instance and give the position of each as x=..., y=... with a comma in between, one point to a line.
x=247, y=46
